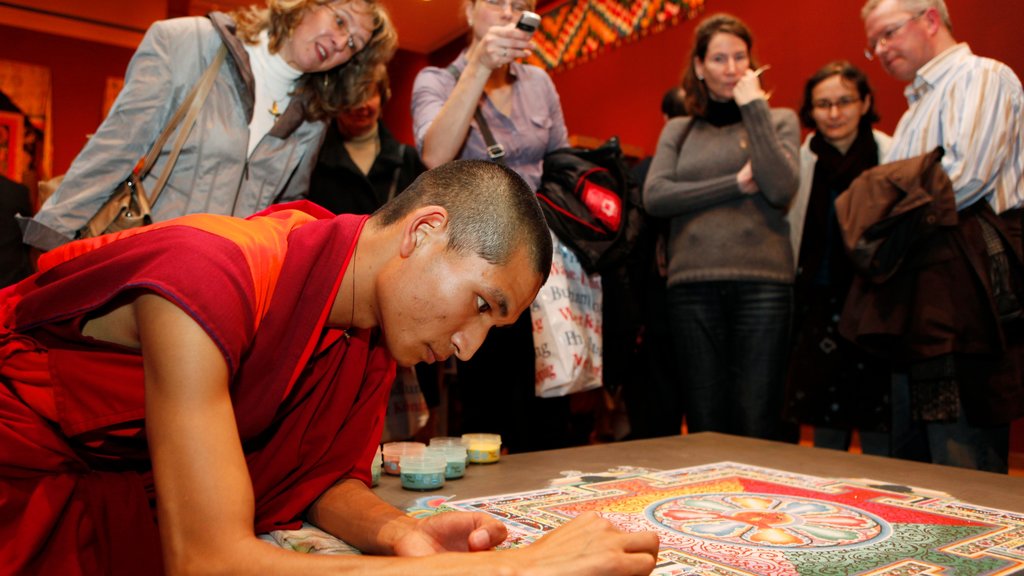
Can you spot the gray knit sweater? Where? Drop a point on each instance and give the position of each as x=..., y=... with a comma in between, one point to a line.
x=717, y=232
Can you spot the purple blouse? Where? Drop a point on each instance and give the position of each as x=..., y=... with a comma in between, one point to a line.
x=534, y=128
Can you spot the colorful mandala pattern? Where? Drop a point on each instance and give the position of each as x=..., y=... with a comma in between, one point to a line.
x=766, y=520
x=729, y=519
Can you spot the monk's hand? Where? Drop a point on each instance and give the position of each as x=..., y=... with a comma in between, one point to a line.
x=452, y=532
x=590, y=545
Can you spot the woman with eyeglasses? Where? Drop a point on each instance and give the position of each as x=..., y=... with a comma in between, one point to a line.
x=724, y=176
x=290, y=66
x=521, y=108
x=832, y=384
x=518, y=101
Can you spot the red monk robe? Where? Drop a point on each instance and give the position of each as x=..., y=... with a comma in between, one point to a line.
x=76, y=487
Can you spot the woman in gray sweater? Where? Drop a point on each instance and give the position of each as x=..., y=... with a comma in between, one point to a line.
x=724, y=177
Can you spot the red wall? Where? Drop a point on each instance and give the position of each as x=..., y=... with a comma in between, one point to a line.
x=616, y=94
x=397, y=114
x=78, y=73
x=402, y=72
x=620, y=92
x=79, y=70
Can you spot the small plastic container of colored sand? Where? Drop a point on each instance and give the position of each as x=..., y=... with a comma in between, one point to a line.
x=482, y=448
x=455, y=459
x=375, y=467
x=393, y=452
x=446, y=441
x=422, y=471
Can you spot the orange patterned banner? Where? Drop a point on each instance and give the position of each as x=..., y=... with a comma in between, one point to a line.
x=578, y=30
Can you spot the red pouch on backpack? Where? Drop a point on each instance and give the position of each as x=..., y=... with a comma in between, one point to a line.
x=604, y=204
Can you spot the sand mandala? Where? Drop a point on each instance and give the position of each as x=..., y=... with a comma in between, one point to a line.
x=734, y=519
x=766, y=520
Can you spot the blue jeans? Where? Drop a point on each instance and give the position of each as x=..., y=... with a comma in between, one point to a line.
x=731, y=341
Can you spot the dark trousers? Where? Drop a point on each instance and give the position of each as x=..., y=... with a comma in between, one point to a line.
x=874, y=443
x=496, y=392
x=654, y=393
x=956, y=443
x=731, y=341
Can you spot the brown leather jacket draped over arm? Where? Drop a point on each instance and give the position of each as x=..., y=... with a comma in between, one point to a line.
x=925, y=287
x=892, y=206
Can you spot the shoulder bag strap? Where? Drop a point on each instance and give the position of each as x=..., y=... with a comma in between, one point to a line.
x=495, y=151
x=393, y=190
x=189, y=110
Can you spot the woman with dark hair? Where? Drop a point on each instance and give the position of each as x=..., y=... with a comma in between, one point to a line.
x=724, y=176
x=290, y=66
x=832, y=384
x=361, y=165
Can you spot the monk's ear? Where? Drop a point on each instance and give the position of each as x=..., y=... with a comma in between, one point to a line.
x=423, y=226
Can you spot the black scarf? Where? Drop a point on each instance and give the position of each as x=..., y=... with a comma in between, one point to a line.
x=722, y=113
x=823, y=259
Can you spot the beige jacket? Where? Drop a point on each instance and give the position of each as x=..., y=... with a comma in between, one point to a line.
x=213, y=174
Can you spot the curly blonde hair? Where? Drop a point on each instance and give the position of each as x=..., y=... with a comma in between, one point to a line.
x=335, y=89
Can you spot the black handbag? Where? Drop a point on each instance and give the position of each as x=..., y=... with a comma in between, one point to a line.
x=587, y=196
x=591, y=203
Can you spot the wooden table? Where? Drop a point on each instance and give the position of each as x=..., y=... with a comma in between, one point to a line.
x=533, y=471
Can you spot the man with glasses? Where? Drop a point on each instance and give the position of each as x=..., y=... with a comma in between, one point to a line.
x=971, y=107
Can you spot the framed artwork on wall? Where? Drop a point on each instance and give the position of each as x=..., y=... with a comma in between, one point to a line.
x=25, y=90
x=575, y=31
x=12, y=136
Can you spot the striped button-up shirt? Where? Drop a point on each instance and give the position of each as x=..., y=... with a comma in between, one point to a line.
x=971, y=106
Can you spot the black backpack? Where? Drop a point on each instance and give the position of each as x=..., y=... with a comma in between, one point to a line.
x=591, y=204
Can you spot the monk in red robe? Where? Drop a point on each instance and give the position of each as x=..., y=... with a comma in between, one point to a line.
x=168, y=392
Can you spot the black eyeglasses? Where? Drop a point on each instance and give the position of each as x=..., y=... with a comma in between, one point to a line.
x=887, y=35
x=841, y=103
x=341, y=21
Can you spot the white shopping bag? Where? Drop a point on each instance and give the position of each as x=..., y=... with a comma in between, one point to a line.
x=567, y=327
x=407, y=409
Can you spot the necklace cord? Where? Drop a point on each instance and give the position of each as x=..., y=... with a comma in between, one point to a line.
x=352, y=313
